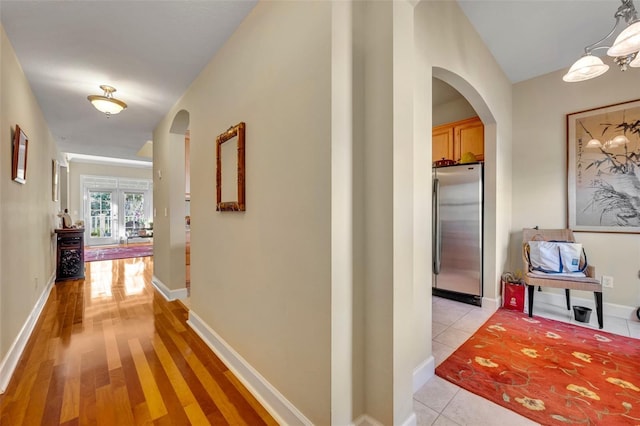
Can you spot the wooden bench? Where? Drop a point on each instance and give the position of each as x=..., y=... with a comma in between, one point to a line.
x=531, y=279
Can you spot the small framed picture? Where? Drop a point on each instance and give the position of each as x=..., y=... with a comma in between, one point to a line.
x=19, y=164
x=603, y=160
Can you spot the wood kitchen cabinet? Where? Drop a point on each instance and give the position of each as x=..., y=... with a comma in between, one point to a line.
x=451, y=140
x=442, y=140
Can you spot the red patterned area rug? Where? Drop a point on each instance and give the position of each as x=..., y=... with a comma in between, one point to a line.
x=92, y=254
x=551, y=372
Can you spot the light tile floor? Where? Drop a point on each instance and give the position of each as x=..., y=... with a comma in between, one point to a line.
x=441, y=403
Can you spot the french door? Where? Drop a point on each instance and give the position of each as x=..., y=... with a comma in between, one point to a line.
x=115, y=208
x=103, y=217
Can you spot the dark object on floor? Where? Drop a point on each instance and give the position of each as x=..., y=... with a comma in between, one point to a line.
x=582, y=313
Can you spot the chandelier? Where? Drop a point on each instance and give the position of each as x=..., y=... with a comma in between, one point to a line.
x=106, y=103
x=624, y=49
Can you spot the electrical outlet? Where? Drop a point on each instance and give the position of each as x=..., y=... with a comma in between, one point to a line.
x=607, y=281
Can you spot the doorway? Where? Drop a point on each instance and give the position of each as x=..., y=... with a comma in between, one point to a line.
x=115, y=209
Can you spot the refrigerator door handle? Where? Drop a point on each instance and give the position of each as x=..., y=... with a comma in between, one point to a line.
x=437, y=237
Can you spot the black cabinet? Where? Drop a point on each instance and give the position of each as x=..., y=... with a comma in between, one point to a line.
x=70, y=254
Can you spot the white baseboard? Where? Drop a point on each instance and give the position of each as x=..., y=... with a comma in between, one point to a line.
x=423, y=372
x=412, y=420
x=10, y=361
x=609, y=309
x=493, y=304
x=169, y=294
x=283, y=411
x=365, y=420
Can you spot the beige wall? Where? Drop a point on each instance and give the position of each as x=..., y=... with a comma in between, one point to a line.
x=27, y=212
x=449, y=112
x=77, y=169
x=262, y=278
x=540, y=171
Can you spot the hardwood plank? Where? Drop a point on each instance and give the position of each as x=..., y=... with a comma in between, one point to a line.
x=210, y=384
x=38, y=394
x=53, y=402
x=175, y=409
x=141, y=414
x=110, y=350
x=122, y=406
x=195, y=385
x=71, y=393
x=105, y=409
x=195, y=413
x=152, y=395
x=87, y=413
x=71, y=396
x=134, y=388
x=111, y=345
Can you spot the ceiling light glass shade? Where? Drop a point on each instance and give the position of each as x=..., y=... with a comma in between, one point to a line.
x=594, y=143
x=636, y=62
x=627, y=42
x=587, y=67
x=107, y=103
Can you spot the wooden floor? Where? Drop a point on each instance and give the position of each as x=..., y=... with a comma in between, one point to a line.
x=110, y=350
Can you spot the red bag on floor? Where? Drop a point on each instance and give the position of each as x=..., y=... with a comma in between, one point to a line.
x=513, y=296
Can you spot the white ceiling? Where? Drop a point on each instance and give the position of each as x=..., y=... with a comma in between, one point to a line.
x=152, y=50
x=529, y=38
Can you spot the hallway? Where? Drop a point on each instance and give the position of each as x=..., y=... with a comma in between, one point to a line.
x=111, y=350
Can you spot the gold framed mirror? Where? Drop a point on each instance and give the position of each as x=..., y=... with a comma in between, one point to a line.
x=230, y=170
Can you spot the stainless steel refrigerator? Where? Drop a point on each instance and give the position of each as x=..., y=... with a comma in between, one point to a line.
x=457, y=232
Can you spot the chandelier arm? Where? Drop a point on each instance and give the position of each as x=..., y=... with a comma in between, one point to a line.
x=591, y=47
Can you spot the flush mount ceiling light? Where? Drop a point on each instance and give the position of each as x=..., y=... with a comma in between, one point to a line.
x=106, y=103
x=624, y=49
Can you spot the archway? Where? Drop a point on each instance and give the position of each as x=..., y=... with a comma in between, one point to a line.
x=180, y=138
x=489, y=211
x=169, y=209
